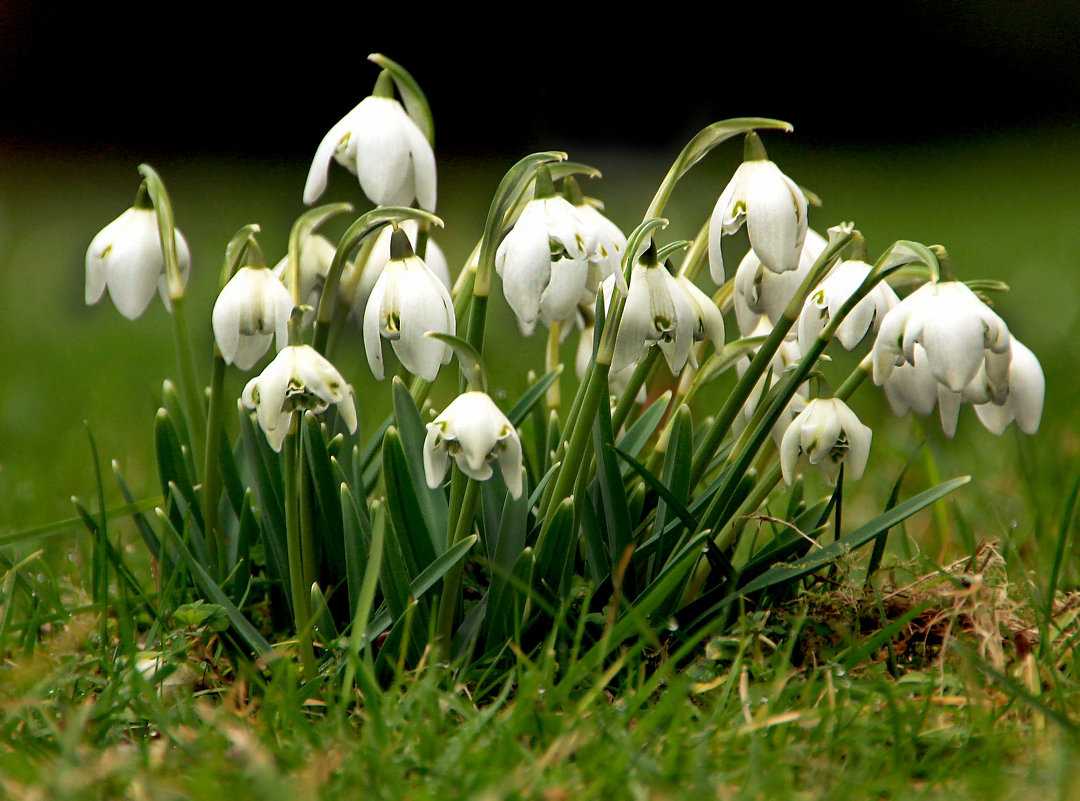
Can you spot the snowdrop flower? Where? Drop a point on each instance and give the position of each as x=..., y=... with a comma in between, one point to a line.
x=406, y=303
x=825, y=301
x=1024, y=399
x=475, y=433
x=380, y=144
x=911, y=386
x=959, y=333
x=825, y=434
x=376, y=260
x=544, y=262
x=252, y=308
x=658, y=311
x=772, y=206
x=298, y=379
x=707, y=318
x=758, y=291
x=126, y=258
x=610, y=244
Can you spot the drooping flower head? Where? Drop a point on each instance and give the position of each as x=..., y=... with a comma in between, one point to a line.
x=761, y=292
x=380, y=144
x=825, y=301
x=473, y=431
x=252, y=308
x=772, y=206
x=544, y=262
x=298, y=379
x=826, y=433
x=126, y=258
x=406, y=303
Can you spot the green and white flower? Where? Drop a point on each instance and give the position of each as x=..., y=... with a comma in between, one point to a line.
x=476, y=433
x=826, y=433
x=380, y=144
x=825, y=301
x=298, y=379
x=125, y=257
x=252, y=308
x=407, y=302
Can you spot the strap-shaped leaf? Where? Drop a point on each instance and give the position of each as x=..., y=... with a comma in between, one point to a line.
x=612, y=491
x=644, y=427
x=327, y=494
x=411, y=429
x=403, y=507
x=676, y=477
x=263, y=473
x=531, y=397
x=358, y=536
x=173, y=463
x=555, y=546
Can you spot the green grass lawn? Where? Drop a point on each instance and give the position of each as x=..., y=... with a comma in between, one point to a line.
x=948, y=690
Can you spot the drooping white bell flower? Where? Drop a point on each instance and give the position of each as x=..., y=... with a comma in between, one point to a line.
x=911, y=386
x=406, y=303
x=772, y=206
x=959, y=333
x=610, y=244
x=380, y=144
x=126, y=258
x=658, y=311
x=298, y=379
x=316, y=256
x=252, y=308
x=826, y=433
x=1024, y=400
x=376, y=260
x=759, y=291
x=834, y=290
x=475, y=433
x=544, y=262
x=707, y=317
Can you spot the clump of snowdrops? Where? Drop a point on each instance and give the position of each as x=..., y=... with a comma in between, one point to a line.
x=467, y=530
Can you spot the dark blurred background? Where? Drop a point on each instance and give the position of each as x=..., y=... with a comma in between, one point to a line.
x=231, y=79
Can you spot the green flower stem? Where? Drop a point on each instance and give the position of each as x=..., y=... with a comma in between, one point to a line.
x=626, y=401
x=465, y=491
x=301, y=597
x=189, y=384
x=552, y=362
x=722, y=423
x=211, y=476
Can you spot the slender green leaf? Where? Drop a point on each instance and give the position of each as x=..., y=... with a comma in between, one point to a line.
x=528, y=401
x=411, y=429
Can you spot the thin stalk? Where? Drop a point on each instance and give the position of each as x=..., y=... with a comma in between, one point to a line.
x=301, y=598
x=552, y=362
x=451, y=589
x=211, y=477
x=629, y=395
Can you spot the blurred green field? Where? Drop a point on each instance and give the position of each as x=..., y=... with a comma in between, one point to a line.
x=1005, y=207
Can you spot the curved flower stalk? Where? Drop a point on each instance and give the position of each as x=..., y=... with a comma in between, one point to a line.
x=544, y=262
x=772, y=206
x=252, y=308
x=826, y=433
x=380, y=144
x=841, y=283
x=473, y=431
x=298, y=379
x=959, y=333
x=316, y=256
x=406, y=303
x=376, y=260
x=759, y=291
x=125, y=257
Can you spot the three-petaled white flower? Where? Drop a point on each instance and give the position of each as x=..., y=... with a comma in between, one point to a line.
x=959, y=333
x=1024, y=399
x=376, y=260
x=658, y=311
x=126, y=258
x=774, y=210
x=825, y=301
x=298, y=379
x=475, y=433
x=826, y=433
x=544, y=262
x=380, y=144
x=406, y=303
x=252, y=308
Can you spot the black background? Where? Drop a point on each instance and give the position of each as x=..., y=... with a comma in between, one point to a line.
x=235, y=80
